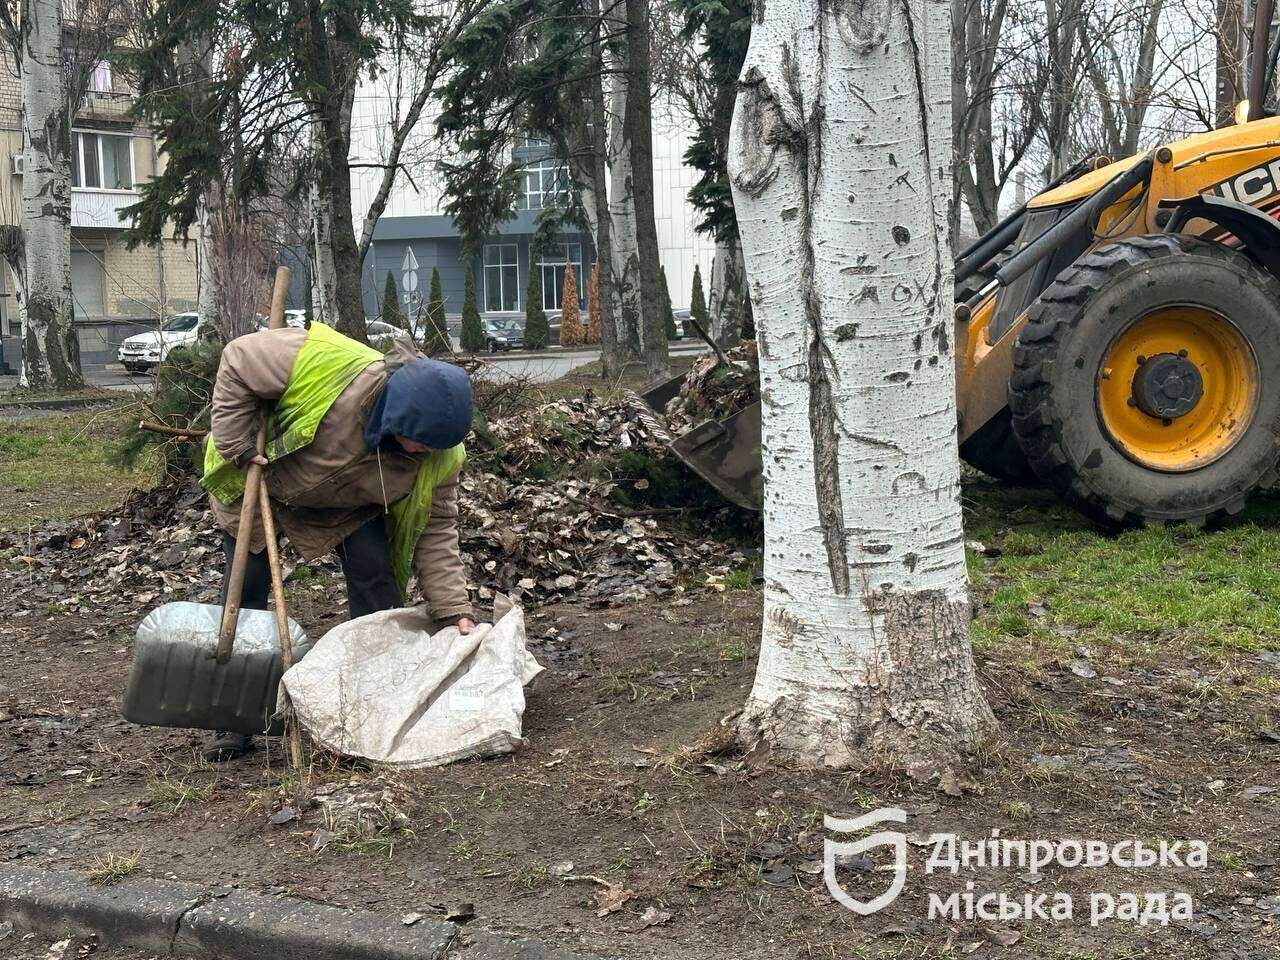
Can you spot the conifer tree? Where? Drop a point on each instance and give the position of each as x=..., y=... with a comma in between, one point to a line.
x=435, y=338
x=472, y=327
x=537, y=331
x=571, y=332
x=595, y=318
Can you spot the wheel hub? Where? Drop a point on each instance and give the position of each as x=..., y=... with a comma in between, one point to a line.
x=1167, y=386
x=1177, y=388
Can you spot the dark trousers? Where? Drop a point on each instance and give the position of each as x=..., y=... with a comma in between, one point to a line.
x=366, y=563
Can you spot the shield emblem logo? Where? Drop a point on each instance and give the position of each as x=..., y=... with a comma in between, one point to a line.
x=890, y=838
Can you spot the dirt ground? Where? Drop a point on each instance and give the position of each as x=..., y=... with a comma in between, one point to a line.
x=1136, y=679
x=726, y=857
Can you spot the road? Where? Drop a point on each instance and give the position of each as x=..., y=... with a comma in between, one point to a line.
x=539, y=367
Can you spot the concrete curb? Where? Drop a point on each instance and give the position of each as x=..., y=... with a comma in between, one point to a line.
x=57, y=403
x=174, y=918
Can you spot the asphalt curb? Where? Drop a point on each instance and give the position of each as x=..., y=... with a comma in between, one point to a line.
x=182, y=919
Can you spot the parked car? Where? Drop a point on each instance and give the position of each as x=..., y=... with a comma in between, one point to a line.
x=292, y=318
x=382, y=334
x=683, y=327
x=144, y=351
x=501, y=334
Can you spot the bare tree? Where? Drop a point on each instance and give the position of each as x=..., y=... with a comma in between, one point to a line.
x=1120, y=59
x=1229, y=88
x=55, y=59
x=995, y=94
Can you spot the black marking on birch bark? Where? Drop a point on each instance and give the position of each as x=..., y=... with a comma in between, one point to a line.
x=845, y=332
x=922, y=102
x=916, y=478
x=876, y=442
x=901, y=235
x=877, y=549
x=944, y=340
x=863, y=24
x=869, y=293
x=806, y=149
x=898, y=376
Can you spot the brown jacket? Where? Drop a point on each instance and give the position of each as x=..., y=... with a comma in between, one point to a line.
x=334, y=485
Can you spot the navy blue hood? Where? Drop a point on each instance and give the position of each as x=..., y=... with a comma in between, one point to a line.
x=425, y=400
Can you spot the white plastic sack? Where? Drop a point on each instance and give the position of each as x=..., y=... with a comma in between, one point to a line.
x=381, y=687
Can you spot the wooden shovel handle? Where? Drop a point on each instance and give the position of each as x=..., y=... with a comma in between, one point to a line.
x=292, y=732
x=240, y=559
x=249, y=504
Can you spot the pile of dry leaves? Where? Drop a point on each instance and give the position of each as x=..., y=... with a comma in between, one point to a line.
x=538, y=539
x=568, y=537
x=714, y=390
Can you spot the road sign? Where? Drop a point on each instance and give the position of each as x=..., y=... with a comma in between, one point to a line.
x=409, y=271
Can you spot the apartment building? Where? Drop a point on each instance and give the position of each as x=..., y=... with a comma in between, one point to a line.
x=118, y=292
x=413, y=235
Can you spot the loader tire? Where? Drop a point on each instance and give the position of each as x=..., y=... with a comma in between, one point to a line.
x=994, y=450
x=1146, y=383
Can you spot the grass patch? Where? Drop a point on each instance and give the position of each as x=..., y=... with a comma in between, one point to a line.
x=60, y=466
x=379, y=830
x=1059, y=582
x=173, y=795
x=112, y=869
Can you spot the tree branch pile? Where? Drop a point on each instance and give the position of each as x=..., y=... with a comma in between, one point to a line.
x=714, y=391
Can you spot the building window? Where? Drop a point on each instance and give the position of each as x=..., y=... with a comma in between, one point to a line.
x=102, y=161
x=546, y=184
x=88, y=278
x=552, y=262
x=501, y=277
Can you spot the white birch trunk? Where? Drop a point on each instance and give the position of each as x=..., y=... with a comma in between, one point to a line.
x=196, y=57
x=207, y=294
x=726, y=303
x=325, y=268
x=624, y=287
x=840, y=162
x=50, y=356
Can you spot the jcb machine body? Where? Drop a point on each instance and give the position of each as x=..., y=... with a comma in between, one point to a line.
x=1118, y=337
x=1126, y=350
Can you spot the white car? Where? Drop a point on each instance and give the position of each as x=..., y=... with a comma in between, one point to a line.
x=382, y=334
x=143, y=351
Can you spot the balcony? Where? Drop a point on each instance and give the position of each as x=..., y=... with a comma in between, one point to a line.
x=100, y=209
x=108, y=108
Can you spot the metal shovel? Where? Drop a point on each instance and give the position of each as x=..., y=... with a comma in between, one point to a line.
x=174, y=681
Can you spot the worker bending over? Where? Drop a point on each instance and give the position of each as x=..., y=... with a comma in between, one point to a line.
x=363, y=453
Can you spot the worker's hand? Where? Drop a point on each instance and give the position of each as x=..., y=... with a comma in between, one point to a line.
x=259, y=459
x=465, y=624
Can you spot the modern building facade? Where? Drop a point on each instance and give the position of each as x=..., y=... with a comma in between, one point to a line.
x=413, y=236
x=118, y=292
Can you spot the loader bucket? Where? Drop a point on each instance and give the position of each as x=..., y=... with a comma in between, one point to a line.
x=725, y=453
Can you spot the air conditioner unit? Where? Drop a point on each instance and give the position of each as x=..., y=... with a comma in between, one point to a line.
x=17, y=161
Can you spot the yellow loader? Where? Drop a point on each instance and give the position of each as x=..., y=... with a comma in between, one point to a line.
x=1117, y=338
